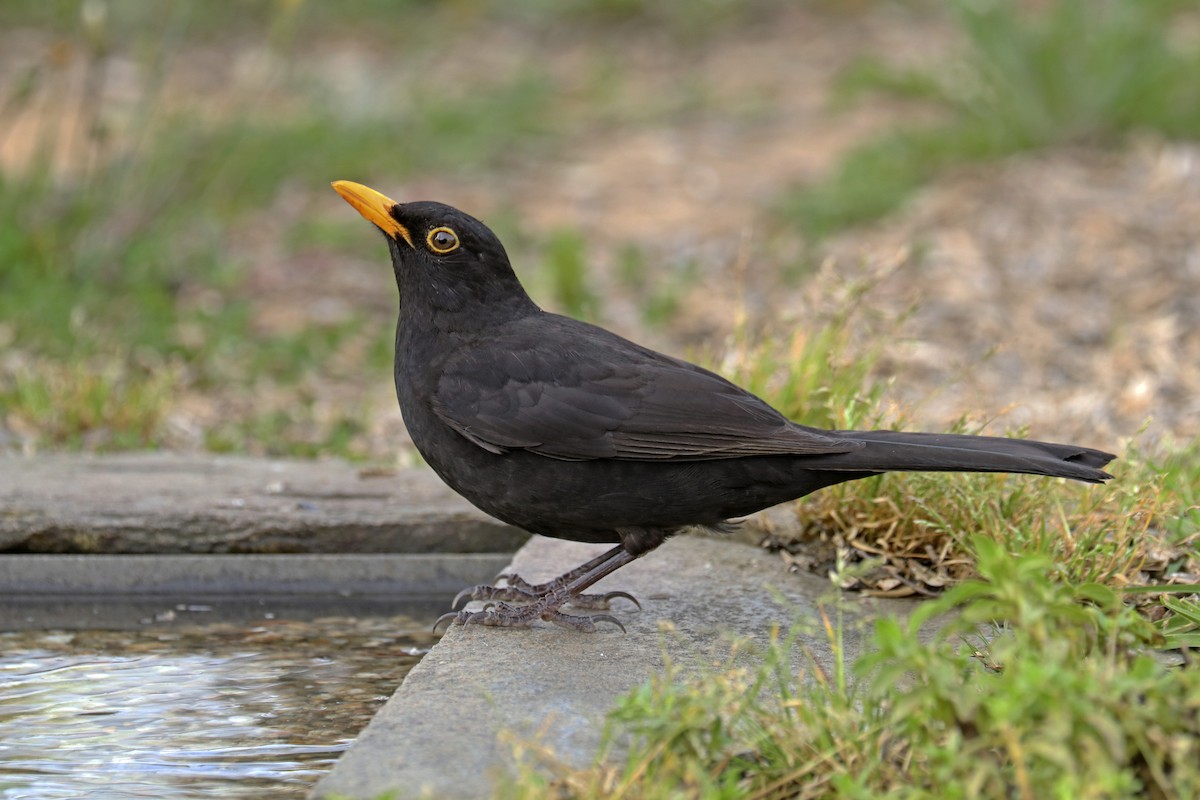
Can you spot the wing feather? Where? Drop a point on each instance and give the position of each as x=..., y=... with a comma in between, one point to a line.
x=588, y=394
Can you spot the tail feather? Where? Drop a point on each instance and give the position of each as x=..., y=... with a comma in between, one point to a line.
x=950, y=452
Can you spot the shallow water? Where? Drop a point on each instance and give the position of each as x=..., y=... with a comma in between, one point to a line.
x=193, y=710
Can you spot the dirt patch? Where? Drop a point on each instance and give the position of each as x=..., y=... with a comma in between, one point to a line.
x=1060, y=287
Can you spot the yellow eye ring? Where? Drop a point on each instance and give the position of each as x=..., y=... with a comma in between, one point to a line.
x=442, y=241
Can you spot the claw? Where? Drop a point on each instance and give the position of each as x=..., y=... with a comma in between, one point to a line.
x=467, y=592
x=607, y=618
x=451, y=617
x=580, y=623
x=596, y=601
x=626, y=595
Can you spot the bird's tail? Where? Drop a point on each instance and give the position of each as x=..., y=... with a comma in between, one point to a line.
x=951, y=452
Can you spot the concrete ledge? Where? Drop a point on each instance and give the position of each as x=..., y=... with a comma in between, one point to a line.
x=437, y=736
x=76, y=592
x=174, y=503
x=201, y=576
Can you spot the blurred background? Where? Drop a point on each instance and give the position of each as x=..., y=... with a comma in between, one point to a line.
x=988, y=208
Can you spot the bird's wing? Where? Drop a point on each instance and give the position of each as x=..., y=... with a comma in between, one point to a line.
x=596, y=395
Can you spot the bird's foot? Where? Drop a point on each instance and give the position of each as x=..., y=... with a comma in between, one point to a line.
x=546, y=601
x=504, y=615
x=517, y=589
x=581, y=601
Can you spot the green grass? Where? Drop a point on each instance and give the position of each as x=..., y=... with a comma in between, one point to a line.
x=296, y=431
x=1035, y=688
x=1181, y=627
x=136, y=252
x=922, y=521
x=100, y=404
x=1072, y=72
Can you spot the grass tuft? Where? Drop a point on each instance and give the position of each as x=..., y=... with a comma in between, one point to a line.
x=102, y=404
x=1034, y=688
x=816, y=378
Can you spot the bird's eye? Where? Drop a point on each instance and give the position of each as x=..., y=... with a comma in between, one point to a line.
x=442, y=241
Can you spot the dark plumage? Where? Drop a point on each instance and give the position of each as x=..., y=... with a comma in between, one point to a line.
x=568, y=430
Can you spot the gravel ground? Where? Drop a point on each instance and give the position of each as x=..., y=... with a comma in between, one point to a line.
x=1061, y=287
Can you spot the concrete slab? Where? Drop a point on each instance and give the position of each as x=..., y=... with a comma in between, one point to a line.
x=438, y=735
x=177, y=503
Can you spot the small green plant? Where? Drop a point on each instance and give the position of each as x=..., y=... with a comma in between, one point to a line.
x=1033, y=688
x=1062, y=699
x=1181, y=628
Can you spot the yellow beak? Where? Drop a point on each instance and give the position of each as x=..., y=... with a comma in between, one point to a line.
x=375, y=207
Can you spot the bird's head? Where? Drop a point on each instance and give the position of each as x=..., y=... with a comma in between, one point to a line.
x=442, y=256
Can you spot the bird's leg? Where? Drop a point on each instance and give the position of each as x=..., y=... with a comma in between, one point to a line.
x=547, y=606
x=520, y=590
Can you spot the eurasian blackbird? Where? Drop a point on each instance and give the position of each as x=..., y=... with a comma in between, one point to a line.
x=565, y=429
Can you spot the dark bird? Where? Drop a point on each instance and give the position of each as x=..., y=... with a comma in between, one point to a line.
x=565, y=429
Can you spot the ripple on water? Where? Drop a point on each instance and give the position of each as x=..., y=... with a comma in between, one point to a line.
x=192, y=712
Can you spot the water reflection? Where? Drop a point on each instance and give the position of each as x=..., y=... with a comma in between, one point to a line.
x=193, y=712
